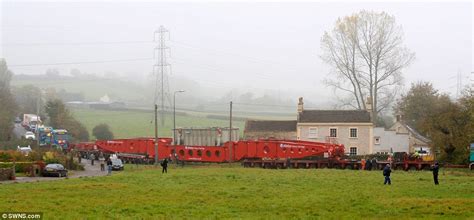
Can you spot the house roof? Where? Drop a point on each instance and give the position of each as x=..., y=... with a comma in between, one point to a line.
x=259, y=125
x=417, y=134
x=334, y=116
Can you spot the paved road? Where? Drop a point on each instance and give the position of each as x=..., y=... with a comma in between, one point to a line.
x=90, y=171
x=19, y=130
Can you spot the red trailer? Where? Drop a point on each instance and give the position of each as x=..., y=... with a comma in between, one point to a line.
x=260, y=153
x=144, y=148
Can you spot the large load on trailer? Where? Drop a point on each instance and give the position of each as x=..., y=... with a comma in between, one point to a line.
x=144, y=149
x=260, y=153
x=31, y=121
x=211, y=136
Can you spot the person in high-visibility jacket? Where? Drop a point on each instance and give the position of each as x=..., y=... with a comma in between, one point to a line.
x=362, y=163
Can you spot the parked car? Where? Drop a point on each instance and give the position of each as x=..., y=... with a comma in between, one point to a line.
x=117, y=164
x=24, y=150
x=30, y=135
x=17, y=120
x=55, y=169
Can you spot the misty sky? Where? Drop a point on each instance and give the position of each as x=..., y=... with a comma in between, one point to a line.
x=252, y=46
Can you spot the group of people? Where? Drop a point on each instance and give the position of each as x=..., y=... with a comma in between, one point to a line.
x=387, y=171
x=102, y=160
x=369, y=164
x=92, y=157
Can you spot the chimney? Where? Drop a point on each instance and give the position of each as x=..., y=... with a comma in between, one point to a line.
x=369, y=108
x=300, y=105
x=368, y=104
x=399, y=117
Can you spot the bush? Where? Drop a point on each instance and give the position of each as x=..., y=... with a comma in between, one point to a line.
x=102, y=132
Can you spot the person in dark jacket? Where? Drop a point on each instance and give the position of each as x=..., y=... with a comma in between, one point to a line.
x=435, y=169
x=164, y=164
x=386, y=173
x=92, y=158
x=374, y=163
x=368, y=165
x=109, y=166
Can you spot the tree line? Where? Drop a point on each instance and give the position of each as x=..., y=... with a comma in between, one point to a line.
x=448, y=123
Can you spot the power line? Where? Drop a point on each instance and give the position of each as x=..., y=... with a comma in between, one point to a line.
x=83, y=62
x=75, y=81
x=75, y=43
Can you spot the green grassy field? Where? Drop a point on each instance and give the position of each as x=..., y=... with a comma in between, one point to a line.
x=127, y=124
x=234, y=192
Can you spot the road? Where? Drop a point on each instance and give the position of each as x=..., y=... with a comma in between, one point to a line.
x=89, y=171
x=19, y=131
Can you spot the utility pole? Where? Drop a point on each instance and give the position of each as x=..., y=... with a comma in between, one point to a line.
x=162, y=64
x=174, y=117
x=230, y=134
x=38, y=103
x=156, y=135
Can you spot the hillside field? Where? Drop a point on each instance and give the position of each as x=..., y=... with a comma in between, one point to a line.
x=230, y=192
x=128, y=124
x=92, y=89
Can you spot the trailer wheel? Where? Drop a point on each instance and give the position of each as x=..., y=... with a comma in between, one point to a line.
x=412, y=168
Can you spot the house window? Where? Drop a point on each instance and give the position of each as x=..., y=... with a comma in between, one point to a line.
x=353, y=132
x=353, y=151
x=377, y=140
x=333, y=132
x=313, y=132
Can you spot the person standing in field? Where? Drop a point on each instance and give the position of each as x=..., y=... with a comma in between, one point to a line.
x=386, y=174
x=390, y=159
x=435, y=169
x=374, y=163
x=109, y=166
x=102, y=163
x=164, y=164
x=92, y=157
x=368, y=165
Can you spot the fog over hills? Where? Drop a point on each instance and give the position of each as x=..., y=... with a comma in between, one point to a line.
x=222, y=49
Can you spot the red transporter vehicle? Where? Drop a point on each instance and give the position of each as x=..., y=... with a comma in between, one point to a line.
x=259, y=152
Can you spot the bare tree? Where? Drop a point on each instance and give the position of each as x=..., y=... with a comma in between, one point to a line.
x=367, y=56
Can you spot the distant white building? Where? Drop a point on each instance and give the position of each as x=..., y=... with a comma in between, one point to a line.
x=105, y=99
x=417, y=142
x=400, y=138
x=389, y=141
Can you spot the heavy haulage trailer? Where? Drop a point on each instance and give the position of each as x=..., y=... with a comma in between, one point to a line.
x=260, y=153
